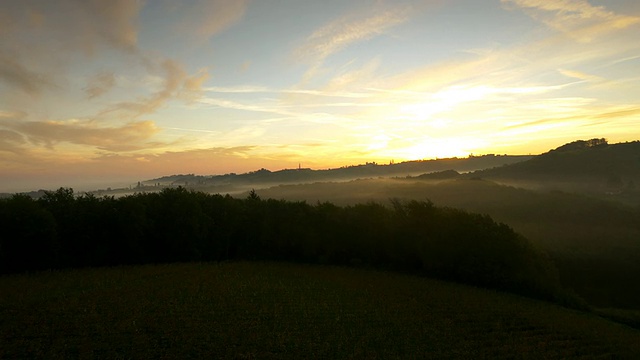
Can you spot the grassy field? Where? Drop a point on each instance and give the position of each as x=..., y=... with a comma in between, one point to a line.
x=269, y=310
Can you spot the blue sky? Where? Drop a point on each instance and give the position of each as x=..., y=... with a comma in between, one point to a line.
x=110, y=92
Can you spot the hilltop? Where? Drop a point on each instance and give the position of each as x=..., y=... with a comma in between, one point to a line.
x=592, y=165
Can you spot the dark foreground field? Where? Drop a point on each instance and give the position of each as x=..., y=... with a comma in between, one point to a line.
x=269, y=310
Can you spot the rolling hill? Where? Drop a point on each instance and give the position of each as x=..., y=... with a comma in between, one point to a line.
x=305, y=175
x=591, y=166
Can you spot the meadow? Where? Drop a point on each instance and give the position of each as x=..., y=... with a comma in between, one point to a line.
x=279, y=310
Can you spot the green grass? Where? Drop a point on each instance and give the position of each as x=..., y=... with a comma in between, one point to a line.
x=270, y=310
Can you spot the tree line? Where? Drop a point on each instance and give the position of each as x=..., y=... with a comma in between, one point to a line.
x=64, y=230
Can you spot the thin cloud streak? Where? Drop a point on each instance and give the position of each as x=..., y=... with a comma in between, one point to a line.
x=100, y=84
x=345, y=31
x=576, y=18
x=262, y=89
x=210, y=17
x=15, y=74
x=177, y=84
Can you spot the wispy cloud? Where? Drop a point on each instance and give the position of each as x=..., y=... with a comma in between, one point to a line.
x=240, y=89
x=350, y=79
x=206, y=18
x=580, y=120
x=128, y=137
x=289, y=102
x=76, y=26
x=236, y=105
x=114, y=21
x=581, y=76
x=176, y=83
x=509, y=78
x=83, y=25
x=345, y=31
x=100, y=84
x=288, y=91
x=11, y=141
x=16, y=75
x=619, y=61
x=576, y=18
x=620, y=112
x=591, y=80
x=193, y=130
x=342, y=32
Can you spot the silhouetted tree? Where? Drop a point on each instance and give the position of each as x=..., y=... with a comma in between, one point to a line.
x=28, y=240
x=181, y=225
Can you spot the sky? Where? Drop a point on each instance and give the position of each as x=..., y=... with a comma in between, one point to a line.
x=110, y=92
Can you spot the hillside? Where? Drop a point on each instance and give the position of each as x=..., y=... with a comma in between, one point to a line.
x=587, y=166
x=270, y=310
x=594, y=242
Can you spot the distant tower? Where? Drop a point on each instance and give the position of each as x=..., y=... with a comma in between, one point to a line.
x=299, y=167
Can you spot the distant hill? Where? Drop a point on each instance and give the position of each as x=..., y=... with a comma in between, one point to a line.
x=369, y=170
x=586, y=166
x=234, y=183
x=579, y=159
x=593, y=163
x=582, y=165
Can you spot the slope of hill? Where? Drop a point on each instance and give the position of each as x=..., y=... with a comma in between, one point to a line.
x=585, y=166
x=271, y=310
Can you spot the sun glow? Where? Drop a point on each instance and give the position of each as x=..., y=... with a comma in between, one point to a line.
x=432, y=148
x=435, y=149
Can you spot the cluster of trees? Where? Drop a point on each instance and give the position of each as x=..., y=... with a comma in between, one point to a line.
x=62, y=230
x=582, y=144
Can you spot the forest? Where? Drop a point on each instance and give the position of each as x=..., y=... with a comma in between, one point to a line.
x=65, y=230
